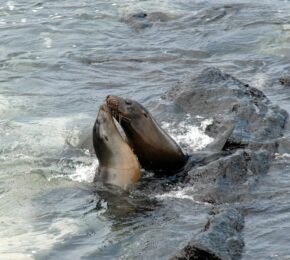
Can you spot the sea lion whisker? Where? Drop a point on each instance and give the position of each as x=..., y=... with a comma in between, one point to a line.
x=122, y=117
x=118, y=115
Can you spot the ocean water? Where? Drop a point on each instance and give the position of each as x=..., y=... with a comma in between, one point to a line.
x=60, y=59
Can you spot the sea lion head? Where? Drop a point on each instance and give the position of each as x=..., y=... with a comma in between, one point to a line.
x=126, y=109
x=118, y=165
x=131, y=115
x=155, y=149
x=104, y=131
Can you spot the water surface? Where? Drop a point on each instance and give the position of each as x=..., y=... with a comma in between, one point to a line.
x=59, y=59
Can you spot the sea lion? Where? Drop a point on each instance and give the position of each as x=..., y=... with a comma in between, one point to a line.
x=118, y=165
x=155, y=149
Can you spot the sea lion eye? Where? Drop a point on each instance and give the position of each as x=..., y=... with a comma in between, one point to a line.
x=106, y=138
x=128, y=102
x=145, y=114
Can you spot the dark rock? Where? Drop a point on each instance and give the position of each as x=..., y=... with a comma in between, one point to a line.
x=229, y=178
x=219, y=95
x=191, y=252
x=220, y=239
x=221, y=133
x=285, y=80
x=232, y=145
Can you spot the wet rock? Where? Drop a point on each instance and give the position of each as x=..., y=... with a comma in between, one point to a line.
x=285, y=81
x=220, y=239
x=221, y=133
x=220, y=95
x=142, y=20
x=229, y=178
x=284, y=145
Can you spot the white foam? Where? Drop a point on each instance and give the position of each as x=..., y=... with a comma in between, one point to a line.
x=82, y=173
x=85, y=173
x=10, y=5
x=284, y=156
x=12, y=245
x=47, y=41
x=190, y=137
x=181, y=193
x=259, y=80
x=4, y=105
x=48, y=132
x=37, y=136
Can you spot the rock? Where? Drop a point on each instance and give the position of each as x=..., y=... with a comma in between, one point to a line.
x=221, y=134
x=225, y=98
x=285, y=80
x=229, y=178
x=220, y=239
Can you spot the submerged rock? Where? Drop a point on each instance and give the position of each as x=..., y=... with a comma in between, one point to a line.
x=285, y=80
x=142, y=20
x=220, y=239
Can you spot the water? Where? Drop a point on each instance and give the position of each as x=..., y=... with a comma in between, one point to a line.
x=59, y=59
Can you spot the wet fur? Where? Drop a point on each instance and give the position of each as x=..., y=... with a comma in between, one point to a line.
x=118, y=165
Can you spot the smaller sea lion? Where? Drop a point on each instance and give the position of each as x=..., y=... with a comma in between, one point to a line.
x=155, y=149
x=118, y=165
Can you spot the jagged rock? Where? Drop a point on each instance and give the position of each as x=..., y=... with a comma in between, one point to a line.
x=226, y=99
x=220, y=239
x=230, y=178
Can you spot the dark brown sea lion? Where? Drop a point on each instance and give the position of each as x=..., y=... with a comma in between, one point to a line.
x=155, y=149
x=118, y=165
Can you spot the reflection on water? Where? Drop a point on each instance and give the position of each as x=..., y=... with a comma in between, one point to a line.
x=59, y=59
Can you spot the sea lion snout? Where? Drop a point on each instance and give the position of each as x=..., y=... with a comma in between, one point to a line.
x=112, y=102
x=104, y=107
x=113, y=105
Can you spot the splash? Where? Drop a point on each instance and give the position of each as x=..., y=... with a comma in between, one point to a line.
x=186, y=193
x=190, y=137
x=84, y=173
x=284, y=156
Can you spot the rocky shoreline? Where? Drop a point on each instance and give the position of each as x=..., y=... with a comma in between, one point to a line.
x=227, y=180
